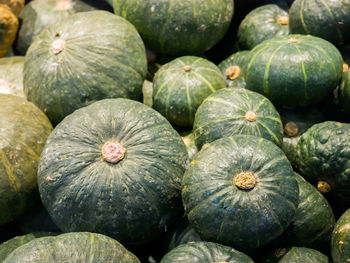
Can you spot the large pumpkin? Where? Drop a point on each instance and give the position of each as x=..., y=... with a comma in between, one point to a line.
x=11, y=72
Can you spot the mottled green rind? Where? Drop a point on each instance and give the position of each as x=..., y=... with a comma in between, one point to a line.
x=204, y=252
x=296, y=255
x=323, y=153
x=147, y=91
x=178, y=27
x=341, y=233
x=177, y=94
x=344, y=92
x=24, y=130
x=222, y=114
x=294, y=74
x=39, y=14
x=11, y=76
x=183, y=235
x=261, y=24
x=132, y=200
x=190, y=145
x=237, y=59
x=220, y=211
x=72, y=247
x=329, y=20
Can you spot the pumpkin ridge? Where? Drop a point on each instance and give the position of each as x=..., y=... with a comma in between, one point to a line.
x=267, y=70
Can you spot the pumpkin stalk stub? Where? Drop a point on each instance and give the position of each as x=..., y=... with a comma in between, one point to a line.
x=283, y=20
x=58, y=46
x=233, y=72
x=187, y=68
x=291, y=129
x=250, y=116
x=293, y=40
x=345, y=67
x=113, y=152
x=323, y=187
x=245, y=180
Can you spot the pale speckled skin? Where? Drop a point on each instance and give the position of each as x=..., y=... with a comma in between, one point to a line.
x=132, y=200
x=72, y=247
x=178, y=27
x=11, y=71
x=341, y=233
x=104, y=57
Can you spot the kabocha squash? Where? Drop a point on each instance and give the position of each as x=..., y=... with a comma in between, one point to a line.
x=323, y=158
x=204, y=252
x=147, y=91
x=24, y=130
x=296, y=254
x=15, y=5
x=329, y=20
x=72, y=247
x=236, y=111
x=184, y=234
x=344, y=92
x=262, y=23
x=190, y=144
x=126, y=163
x=178, y=27
x=180, y=86
x=240, y=191
x=340, y=245
x=72, y=64
x=11, y=76
x=8, y=29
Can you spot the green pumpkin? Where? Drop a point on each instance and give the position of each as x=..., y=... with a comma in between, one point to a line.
x=178, y=27
x=180, y=86
x=114, y=167
x=147, y=91
x=204, y=252
x=329, y=20
x=340, y=244
x=296, y=255
x=80, y=65
x=190, y=144
x=240, y=191
x=294, y=70
x=344, y=92
x=236, y=111
x=323, y=158
x=24, y=130
x=72, y=247
x=262, y=23
x=11, y=72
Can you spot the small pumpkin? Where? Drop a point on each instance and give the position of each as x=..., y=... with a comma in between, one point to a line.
x=340, y=244
x=11, y=72
x=8, y=29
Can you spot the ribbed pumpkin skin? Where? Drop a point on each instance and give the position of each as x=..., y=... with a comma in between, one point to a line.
x=296, y=255
x=204, y=252
x=178, y=27
x=177, y=93
x=39, y=14
x=223, y=113
x=294, y=70
x=329, y=19
x=132, y=200
x=72, y=247
x=92, y=66
x=323, y=154
x=15, y=5
x=344, y=92
x=220, y=211
x=24, y=130
x=11, y=72
x=261, y=24
x=8, y=29
x=340, y=245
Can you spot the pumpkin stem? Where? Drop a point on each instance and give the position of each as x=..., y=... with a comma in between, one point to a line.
x=233, y=72
x=293, y=40
x=245, y=180
x=250, y=116
x=58, y=46
x=187, y=68
x=64, y=4
x=283, y=20
x=323, y=187
x=186, y=140
x=345, y=67
x=113, y=152
x=291, y=129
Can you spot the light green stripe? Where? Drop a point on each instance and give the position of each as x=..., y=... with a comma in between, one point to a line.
x=189, y=102
x=254, y=57
x=217, y=121
x=304, y=72
x=269, y=131
x=218, y=100
x=12, y=178
x=267, y=70
x=333, y=19
x=302, y=17
x=206, y=81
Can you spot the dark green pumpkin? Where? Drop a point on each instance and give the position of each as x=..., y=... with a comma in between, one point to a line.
x=72, y=247
x=11, y=72
x=178, y=27
x=294, y=70
x=114, y=167
x=340, y=245
x=24, y=130
x=262, y=23
x=72, y=64
x=179, y=88
x=236, y=111
x=296, y=255
x=344, y=92
x=329, y=20
x=240, y=191
x=204, y=252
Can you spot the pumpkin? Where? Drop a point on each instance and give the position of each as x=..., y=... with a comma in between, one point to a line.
x=114, y=167
x=147, y=91
x=240, y=191
x=344, y=92
x=11, y=72
x=180, y=86
x=262, y=23
x=340, y=244
x=24, y=130
x=188, y=139
x=236, y=111
x=184, y=234
x=80, y=65
x=178, y=27
x=8, y=29
x=294, y=70
x=296, y=254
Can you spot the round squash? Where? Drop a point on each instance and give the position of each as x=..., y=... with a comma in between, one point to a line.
x=180, y=86
x=8, y=29
x=178, y=27
x=72, y=247
x=114, y=167
x=340, y=245
x=262, y=23
x=294, y=70
x=11, y=72
x=80, y=65
x=236, y=111
x=329, y=20
x=296, y=255
x=344, y=92
x=15, y=5
x=204, y=252
x=240, y=191
x=24, y=130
